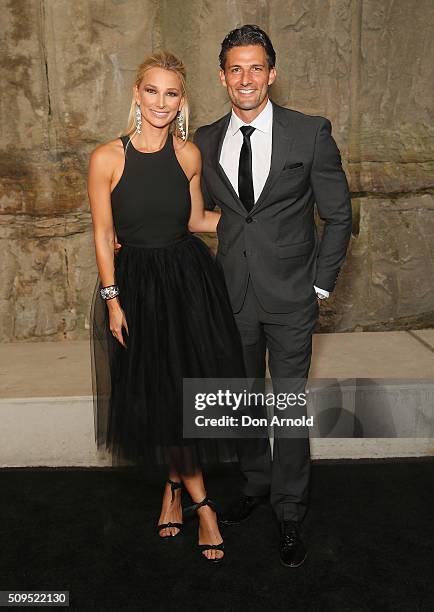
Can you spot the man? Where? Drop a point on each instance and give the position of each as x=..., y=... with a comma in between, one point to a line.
x=265, y=167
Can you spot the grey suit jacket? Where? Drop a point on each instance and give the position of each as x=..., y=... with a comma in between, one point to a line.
x=277, y=242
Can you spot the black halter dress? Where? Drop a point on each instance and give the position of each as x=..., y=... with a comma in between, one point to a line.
x=179, y=318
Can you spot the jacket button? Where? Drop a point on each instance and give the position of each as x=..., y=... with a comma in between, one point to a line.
x=249, y=219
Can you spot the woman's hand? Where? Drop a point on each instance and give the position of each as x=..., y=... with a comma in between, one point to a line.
x=117, y=322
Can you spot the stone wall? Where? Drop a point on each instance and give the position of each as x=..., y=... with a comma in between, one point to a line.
x=67, y=71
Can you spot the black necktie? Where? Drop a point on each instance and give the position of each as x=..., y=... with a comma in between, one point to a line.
x=245, y=180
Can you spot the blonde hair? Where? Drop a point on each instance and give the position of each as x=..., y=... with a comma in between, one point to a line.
x=168, y=61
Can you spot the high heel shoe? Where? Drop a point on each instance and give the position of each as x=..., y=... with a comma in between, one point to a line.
x=173, y=487
x=202, y=547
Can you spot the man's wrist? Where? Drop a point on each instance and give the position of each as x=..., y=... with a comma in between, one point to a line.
x=322, y=294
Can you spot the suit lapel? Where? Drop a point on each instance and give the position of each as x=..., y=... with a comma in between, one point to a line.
x=220, y=134
x=281, y=143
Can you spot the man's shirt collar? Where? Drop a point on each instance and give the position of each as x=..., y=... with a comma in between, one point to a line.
x=263, y=122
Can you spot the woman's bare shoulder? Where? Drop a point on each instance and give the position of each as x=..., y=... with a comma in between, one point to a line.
x=107, y=152
x=188, y=147
x=188, y=156
x=187, y=150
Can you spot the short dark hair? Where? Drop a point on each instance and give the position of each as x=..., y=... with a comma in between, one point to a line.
x=247, y=35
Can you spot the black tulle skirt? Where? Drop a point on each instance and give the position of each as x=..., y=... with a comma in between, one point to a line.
x=180, y=325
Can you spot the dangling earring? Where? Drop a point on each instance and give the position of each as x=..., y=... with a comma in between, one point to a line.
x=180, y=120
x=138, y=119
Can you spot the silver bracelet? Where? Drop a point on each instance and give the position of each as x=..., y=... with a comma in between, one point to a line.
x=109, y=292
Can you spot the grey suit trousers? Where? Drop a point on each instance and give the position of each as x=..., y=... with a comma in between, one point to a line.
x=284, y=476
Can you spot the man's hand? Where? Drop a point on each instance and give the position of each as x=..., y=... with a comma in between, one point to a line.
x=321, y=294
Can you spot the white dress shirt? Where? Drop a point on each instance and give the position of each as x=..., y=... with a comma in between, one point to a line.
x=261, y=142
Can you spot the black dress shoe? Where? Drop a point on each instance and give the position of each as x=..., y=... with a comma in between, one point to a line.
x=292, y=551
x=240, y=509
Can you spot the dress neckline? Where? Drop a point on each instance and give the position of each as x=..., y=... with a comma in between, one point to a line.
x=169, y=135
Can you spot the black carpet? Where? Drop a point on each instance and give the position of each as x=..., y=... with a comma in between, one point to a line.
x=369, y=533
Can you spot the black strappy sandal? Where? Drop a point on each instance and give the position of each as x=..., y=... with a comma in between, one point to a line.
x=202, y=547
x=173, y=487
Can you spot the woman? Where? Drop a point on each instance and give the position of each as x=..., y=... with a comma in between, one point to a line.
x=165, y=312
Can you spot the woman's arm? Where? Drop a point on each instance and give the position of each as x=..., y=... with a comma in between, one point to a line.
x=100, y=174
x=201, y=220
x=98, y=185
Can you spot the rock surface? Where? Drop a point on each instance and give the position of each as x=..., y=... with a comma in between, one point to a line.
x=67, y=73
